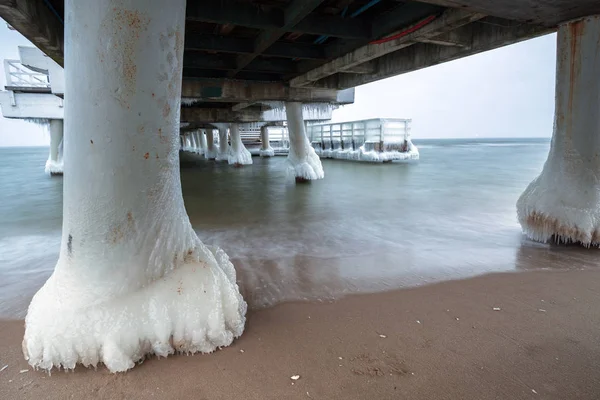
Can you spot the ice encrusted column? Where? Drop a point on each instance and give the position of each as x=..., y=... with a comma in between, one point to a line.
x=265, y=147
x=54, y=164
x=194, y=142
x=198, y=141
x=210, y=152
x=223, y=144
x=238, y=155
x=132, y=277
x=563, y=203
x=302, y=157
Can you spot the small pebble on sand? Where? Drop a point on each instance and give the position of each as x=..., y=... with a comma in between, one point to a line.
x=497, y=309
x=295, y=377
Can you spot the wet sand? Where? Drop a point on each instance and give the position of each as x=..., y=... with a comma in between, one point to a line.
x=443, y=341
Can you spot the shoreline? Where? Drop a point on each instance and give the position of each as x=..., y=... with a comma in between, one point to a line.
x=439, y=341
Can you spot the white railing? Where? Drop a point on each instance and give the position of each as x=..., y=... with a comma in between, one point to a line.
x=18, y=75
x=375, y=134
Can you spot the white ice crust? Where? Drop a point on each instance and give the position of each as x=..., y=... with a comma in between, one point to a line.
x=372, y=156
x=54, y=167
x=268, y=152
x=194, y=308
x=303, y=160
x=308, y=167
x=238, y=154
x=224, y=147
x=563, y=203
x=210, y=150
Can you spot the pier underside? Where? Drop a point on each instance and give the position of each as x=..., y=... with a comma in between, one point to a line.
x=240, y=55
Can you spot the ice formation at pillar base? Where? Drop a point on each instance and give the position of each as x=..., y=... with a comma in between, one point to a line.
x=268, y=152
x=211, y=152
x=240, y=157
x=371, y=156
x=309, y=168
x=223, y=155
x=54, y=167
x=554, y=208
x=196, y=307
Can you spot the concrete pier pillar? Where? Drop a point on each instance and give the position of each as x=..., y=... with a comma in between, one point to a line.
x=203, y=143
x=223, y=144
x=199, y=142
x=265, y=148
x=132, y=277
x=563, y=203
x=302, y=157
x=54, y=164
x=238, y=155
x=211, y=150
x=194, y=148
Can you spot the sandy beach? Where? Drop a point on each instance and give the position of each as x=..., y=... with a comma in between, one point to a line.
x=530, y=335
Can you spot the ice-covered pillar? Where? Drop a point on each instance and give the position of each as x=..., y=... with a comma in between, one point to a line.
x=199, y=142
x=563, y=203
x=211, y=150
x=302, y=157
x=194, y=142
x=132, y=277
x=265, y=148
x=223, y=144
x=238, y=155
x=54, y=164
x=203, y=144
x=188, y=142
x=181, y=142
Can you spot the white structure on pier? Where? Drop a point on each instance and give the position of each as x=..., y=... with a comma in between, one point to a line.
x=35, y=87
x=372, y=140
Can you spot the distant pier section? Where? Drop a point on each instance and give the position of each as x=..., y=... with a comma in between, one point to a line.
x=370, y=140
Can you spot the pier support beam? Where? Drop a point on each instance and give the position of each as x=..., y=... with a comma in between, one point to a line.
x=223, y=144
x=563, y=203
x=265, y=148
x=54, y=164
x=238, y=155
x=132, y=278
x=302, y=157
x=210, y=151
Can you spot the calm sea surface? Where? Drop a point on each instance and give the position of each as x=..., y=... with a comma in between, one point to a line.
x=363, y=228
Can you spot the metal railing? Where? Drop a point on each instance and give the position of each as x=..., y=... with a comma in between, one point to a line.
x=374, y=134
x=19, y=76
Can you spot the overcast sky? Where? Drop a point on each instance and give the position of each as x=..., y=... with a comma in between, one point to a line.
x=507, y=92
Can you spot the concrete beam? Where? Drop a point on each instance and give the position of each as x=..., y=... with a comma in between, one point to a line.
x=448, y=21
x=295, y=12
x=226, y=44
x=211, y=115
x=235, y=91
x=253, y=16
x=482, y=36
x=34, y=20
x=548, y=13
x=227, y=62
x=197, y=116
